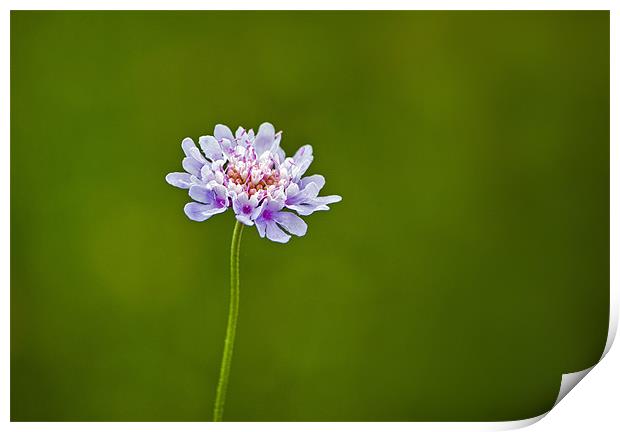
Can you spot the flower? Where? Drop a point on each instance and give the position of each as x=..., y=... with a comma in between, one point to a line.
x=252, y=175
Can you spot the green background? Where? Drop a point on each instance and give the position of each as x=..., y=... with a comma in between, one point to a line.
x=465, y=270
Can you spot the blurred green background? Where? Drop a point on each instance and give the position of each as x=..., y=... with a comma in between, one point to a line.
x=465, y=270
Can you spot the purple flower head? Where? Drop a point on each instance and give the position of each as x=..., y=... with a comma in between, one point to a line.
x=251, y=173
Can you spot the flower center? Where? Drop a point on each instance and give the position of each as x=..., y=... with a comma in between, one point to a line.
x=252, y=178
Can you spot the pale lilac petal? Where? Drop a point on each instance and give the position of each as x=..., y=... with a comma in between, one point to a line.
x=280, y=155
x=292, y=223
x=301, y=169
x=275, y=149
x=239, y=133
x=317, y=179
x=267, y=211
x=277, y=139
x=200, y=212
x=255, y=213
x=264, y=139
x=309, y=192
x=180, y=180
x=227, y=146
x=308, y=208
x=303, y=158
x=261, y=226
x=196, y=212
x=329, y=199
x=307, y=202
x=218, y=165
x=192, y=166
x=195, y=153
x=187, y=144
x=292, y=191
x=218, y=174
x=202, y=194
x=304, y=153
x=246, y=208
x=220, y=196
x=275, y=233
x=244, y=220
x=273, y=206
x=210, y=147
x=206, y=173
x=223, y=132
x=239, y=201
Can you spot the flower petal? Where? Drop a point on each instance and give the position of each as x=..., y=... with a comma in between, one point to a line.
x=303, y=158
x=276, y=140
x=187, y=144
x=308, y=193
x=265, y=217
x=200, y=212
x=202, y=194
x=206, y=173
x=329, y=199
x=246, y=207
x=261, y=225
x=292, y=223
x=238, y=202
x=227, y=146
x=304, y=153
x=222, y=131
x=264, y=139
x=317, y=179
x=292, y=192
x=195, y=153
x=280, y=154
x=239, y=133
x=195, y=212
x=308, y=208
x=244, y=220
x=192, y=166
x=180, y=180
x=221, y=195
x=273, y=206
x=210, y=147
x=275, y=233
x=276, y=149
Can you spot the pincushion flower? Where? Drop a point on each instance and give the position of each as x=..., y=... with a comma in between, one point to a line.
x=251, y=175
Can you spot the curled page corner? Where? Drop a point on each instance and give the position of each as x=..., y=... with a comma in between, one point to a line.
x=570, y=380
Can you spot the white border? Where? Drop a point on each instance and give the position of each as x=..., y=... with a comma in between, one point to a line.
x=602, y=390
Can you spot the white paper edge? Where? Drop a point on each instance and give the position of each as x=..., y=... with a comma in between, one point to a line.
x=569, y=380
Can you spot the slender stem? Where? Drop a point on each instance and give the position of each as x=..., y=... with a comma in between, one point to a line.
x=233, y=313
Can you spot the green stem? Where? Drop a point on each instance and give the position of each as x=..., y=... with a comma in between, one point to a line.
x=233, y=313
